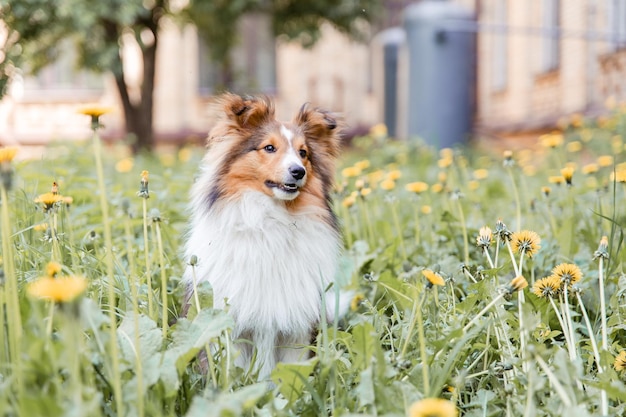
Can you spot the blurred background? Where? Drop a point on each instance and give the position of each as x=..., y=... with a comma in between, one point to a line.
x=447, y=71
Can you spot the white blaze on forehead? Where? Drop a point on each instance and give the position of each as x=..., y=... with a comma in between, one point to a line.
x=291, y=157
x=288, y=134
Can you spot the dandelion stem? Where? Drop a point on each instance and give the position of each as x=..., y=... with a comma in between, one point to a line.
x=515, y=268
x=396, y=222
x=146, y=252
x=117, y=387
x=464, y=232
x=570, y=323
x=564, y=328
x=483, y=311
x=417, y=319
x=518, y=206
x=488, y=258
x=13, y=316
x=164, y=307
x=554, y=381
x=603, y=325
x=135, y=301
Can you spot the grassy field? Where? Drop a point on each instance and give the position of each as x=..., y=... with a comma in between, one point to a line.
x=487, y=285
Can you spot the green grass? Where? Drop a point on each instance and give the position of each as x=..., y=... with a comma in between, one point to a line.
x=475, y=340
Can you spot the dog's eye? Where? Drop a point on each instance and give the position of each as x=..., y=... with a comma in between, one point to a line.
x=303, y=153
x=269, y=148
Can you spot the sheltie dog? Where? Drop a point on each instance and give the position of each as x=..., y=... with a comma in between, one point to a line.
x=263, y=230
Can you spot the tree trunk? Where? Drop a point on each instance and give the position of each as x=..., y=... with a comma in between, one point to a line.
x=138, y=116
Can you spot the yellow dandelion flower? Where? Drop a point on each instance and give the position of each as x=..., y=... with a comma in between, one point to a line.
x=473, y=185
x=374, y=177
x=546, y=191
x=551, y=140
x=526, y=241
x=436, y=188
x=444, y=162
x=589, y=169
x=517, y=284
x=357, y=300
x=94, y=110
x=620, y=361
x=433, y=277
x=605, y=160
x=124, y=165
x=446, y=153
x=48, y=200
x=360, y=183
x=556, y=179
x=426, y=209
x=577, y=120
x=184, y=154
x=167, y=159
x=547, y=287
x=619, y=176
x=7, y=154
x=394, y=175
x=574, y=146
x=586, y=135
x=480, y=174
x=41, y=227
x=351, y=172
x=568, y=274
x=363, y=165
x=348, y=201
x=53, y=268
x=61, y=290
x=387, y=184
x=365, y=192
x=442, y=177
x=567, y=173
x=433, y=407
x=379, y=130
x=529, y=170
x=485, y=236
x=610, y=103
x=416, y=187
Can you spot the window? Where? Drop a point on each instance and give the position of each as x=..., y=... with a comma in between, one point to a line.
x=550, y=49
x=499, y=46
x=251, y=66
x=616, y=17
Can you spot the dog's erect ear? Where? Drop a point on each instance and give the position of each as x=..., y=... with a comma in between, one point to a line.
x=320, y=127
x=247, y=112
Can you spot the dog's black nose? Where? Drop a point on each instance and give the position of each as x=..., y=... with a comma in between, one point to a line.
x=297, y=171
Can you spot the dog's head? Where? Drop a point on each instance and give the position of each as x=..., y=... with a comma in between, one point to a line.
x=283, y=160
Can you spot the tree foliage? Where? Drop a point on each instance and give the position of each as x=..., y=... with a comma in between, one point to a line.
x=37, y=31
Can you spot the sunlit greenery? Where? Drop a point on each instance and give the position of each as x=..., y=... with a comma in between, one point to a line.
x=487, y=282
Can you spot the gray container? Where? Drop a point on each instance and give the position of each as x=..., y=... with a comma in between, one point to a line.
x=387, y=45
x=441, y=72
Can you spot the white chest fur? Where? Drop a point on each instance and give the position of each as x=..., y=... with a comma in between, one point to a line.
x=270, y=266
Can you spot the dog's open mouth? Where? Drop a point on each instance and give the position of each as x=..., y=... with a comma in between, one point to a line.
x=288, y=188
